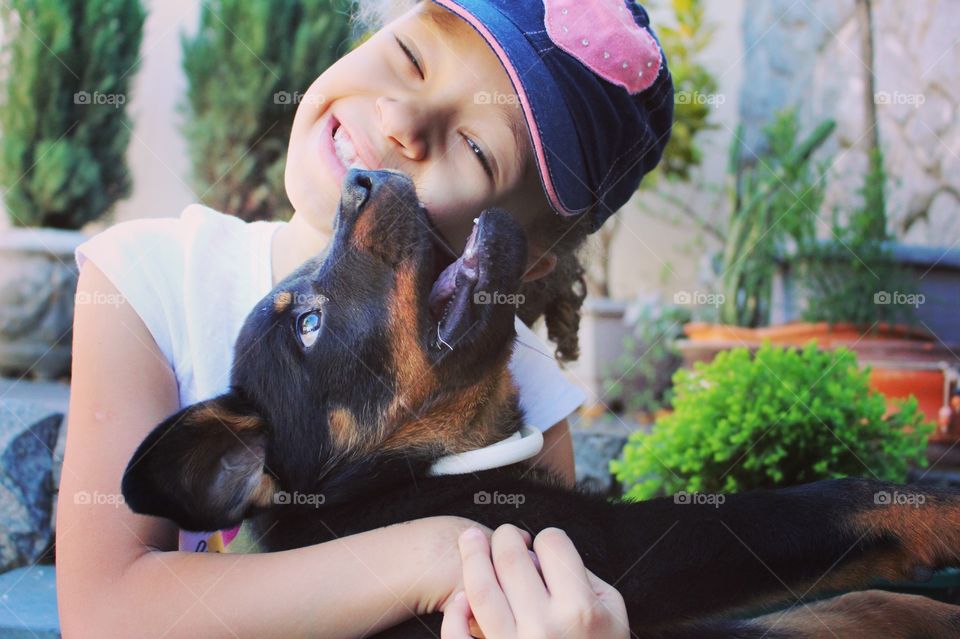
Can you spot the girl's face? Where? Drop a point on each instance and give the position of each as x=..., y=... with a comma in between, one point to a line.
x=426, y=98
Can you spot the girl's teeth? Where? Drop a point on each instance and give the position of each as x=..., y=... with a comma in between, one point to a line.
x=345, y=150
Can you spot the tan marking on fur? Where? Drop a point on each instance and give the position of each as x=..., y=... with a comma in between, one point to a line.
x=456, y=422
x=867, y=615
x=362, y=233
x=344, y=430
x=282, y=301
x=216, y=414
x=263, y=494
x=929, y=532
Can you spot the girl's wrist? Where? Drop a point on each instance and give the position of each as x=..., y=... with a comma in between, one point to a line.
x=439, y=557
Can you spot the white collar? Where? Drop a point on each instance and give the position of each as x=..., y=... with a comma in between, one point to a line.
x=524, y=444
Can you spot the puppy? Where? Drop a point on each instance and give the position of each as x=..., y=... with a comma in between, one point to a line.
x=374, y=360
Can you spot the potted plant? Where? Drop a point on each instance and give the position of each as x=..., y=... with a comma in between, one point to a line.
x=248, y=67
x=775, y=417
x=771, y=207
x=68, y=66
x=602, y=327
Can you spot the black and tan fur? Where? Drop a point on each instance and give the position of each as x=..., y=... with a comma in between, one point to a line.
x=359, y=416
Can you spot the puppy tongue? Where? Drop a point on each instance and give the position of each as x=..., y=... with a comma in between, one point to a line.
x=446, y=284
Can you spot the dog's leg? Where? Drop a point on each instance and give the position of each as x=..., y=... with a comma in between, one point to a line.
x=697, y=560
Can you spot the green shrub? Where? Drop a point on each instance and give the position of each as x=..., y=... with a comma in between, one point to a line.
x=247, y=67
x=69, y=64
x=779, y=418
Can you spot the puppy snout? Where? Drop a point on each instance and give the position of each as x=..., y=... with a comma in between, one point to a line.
x=357, y=188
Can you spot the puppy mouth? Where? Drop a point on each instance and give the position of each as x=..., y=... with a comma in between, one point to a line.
x=457, y=275
x=451, y=300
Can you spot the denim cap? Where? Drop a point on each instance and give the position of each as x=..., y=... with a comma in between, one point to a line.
x=595, y=90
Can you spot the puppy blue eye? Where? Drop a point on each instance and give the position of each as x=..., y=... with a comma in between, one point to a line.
x=308, y=325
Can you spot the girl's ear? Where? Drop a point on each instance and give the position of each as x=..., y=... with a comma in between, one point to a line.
x=539, y=265
x=203, y=467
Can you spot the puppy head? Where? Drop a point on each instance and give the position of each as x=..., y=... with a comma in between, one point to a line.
x=384, y=351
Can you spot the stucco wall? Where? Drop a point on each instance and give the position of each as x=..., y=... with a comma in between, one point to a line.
x=807, y=54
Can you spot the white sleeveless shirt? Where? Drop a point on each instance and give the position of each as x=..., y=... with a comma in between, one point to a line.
x=193, y=280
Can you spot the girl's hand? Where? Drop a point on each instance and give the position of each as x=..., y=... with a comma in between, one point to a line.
x=511, y=592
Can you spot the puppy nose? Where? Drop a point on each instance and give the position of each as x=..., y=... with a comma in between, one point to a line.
x=357, y=188
x=360, y=186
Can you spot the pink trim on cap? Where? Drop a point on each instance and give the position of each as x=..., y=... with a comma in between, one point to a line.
x=524, y=101
x=604, y=36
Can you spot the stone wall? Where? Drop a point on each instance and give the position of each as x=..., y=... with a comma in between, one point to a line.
x=807, y=54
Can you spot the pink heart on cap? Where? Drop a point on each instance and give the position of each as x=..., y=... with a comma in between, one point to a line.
x=603, y=35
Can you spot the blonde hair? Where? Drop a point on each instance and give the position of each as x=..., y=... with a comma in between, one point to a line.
x=371, y=15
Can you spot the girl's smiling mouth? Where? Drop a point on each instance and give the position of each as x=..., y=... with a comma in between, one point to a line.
x=338, y=149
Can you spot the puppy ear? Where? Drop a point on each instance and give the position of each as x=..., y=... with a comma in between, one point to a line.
x=202, y=467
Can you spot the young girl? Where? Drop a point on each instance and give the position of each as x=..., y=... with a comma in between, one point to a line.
x=553, y=109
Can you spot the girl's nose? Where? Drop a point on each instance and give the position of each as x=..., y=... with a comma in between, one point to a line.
x=403, y=124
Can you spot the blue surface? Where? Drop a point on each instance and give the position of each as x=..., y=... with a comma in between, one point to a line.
x=28, y=603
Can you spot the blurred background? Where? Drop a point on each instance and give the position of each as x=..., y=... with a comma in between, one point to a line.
x=777, y=304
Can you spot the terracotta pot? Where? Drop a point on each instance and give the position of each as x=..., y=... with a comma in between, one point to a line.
x=904, y=360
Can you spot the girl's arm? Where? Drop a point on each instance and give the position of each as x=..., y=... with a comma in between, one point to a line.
x=557, y=452
x=119, y=574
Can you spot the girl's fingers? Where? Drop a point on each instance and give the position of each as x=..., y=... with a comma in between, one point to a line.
x=456, y=619
x=561, y=565
x=517, y=573
x=487, y=601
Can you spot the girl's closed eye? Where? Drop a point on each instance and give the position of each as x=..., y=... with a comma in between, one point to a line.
x=412, y=57
x=481, y=156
